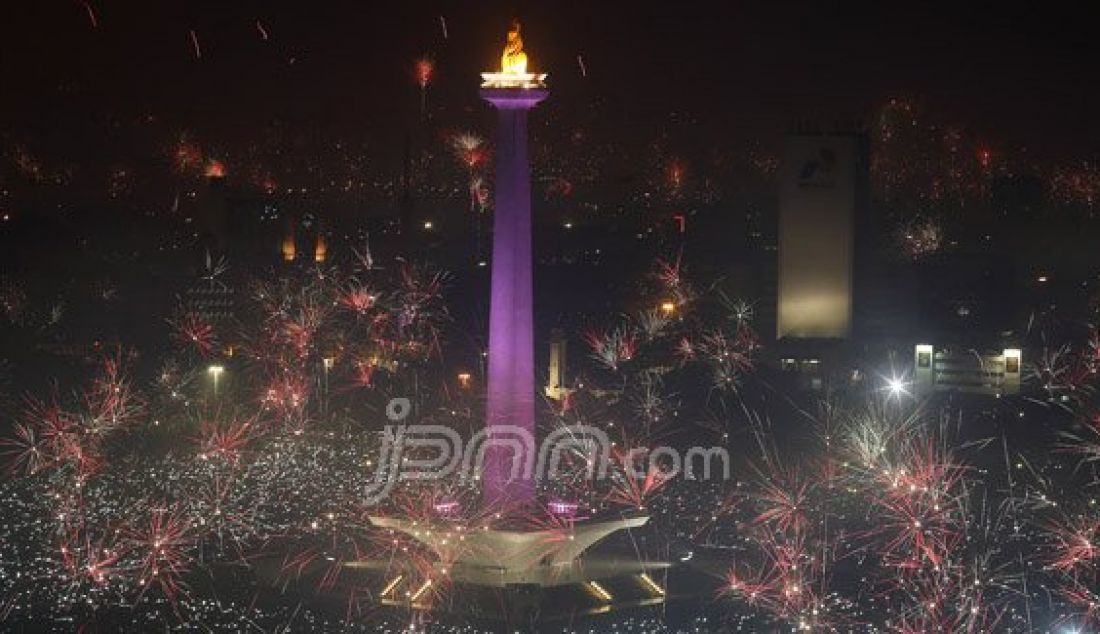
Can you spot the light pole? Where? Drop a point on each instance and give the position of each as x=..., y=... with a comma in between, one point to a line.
x=326, y=364
x=215, y=371
x=896, y=387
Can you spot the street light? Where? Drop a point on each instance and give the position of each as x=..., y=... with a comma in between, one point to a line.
x=896, y=386
x=327, y=364
x=215, y=371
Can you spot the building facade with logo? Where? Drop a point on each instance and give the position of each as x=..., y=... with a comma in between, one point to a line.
x=820, y=192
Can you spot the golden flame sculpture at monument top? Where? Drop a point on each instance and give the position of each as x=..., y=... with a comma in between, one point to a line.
x=513, y=66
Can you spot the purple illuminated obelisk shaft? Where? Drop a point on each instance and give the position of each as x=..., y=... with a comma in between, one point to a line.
x=511, y=394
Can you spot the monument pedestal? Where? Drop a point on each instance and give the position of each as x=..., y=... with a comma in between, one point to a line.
x=508, y=557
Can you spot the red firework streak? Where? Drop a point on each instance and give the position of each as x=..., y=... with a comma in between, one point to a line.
x=418, y=291
x=919, y=521
x=110, y=402
x=731, y=502
x=628, y=489
x=218, y=515
x=50, y=435
x=670, y=276
x=187, y=156
x=1073, y=545
x=288, y=394
x=669, y=272
x=161, y=544
x=193, y=331
x=718, y=348
x=357, y=299
x=784, y=501
x=86, y=561
x=299, y=331
x=44, y=438
x=225, y=441
x=470, y=149
x=195, y=44
x=613, y=349
x=1087, y=603
x=783, y=583
x=91, y=15
x=424, y=69
x=364, y=374
x=326, y=544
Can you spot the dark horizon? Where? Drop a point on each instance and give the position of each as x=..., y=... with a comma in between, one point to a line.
x=1015, y=78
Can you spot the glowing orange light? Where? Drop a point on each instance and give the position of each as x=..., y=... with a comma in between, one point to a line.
x=513, y=66
x=215, y=169
x=290, y=249
x=676, y=174
x=514, y=60
x=320, y=250
x=668, y=308
x=464, y=379
x=424, y=71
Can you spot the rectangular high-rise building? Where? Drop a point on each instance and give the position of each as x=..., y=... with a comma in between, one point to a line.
x=820, y=181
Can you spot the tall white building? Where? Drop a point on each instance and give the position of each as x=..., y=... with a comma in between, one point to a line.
x=555, y=380
x=817, y=211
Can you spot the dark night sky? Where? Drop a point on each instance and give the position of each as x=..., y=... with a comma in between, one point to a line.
x=1021, y=75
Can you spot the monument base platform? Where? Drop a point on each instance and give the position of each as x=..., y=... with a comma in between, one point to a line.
x=510, y=556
